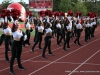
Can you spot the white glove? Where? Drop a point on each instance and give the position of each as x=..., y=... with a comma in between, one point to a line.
x=25, y=37
x=50, y=25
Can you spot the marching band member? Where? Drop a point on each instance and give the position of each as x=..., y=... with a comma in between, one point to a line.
x=79, y=30
x=86, y=30
x=75, y=30
x=47, y=39
x=62, y=27
x=28, y=32
x=59, y=32
x=18, y=38
x=52, y=20
x=68, y=29
x=8, y=39
x=39, y=36
x=54, y=27
x=36, y=21
x=93, y=28
x=90, y=29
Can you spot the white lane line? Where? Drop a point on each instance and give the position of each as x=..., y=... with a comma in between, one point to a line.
x=77, y=63
x=65, y=62
x=84, y=62
x=62, y=57
x=40, y=61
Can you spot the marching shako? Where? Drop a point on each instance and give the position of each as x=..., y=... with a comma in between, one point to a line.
x=78, y=31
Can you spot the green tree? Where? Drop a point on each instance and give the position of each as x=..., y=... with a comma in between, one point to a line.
x=23, y=4
x=73, y=2
x=56, y=4
x=88, y=5
x=80, y=6
x=97, y=7
x=65, y=5
x=93, y=6
x=5, y=3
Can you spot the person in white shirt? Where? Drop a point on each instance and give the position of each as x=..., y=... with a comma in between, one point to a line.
x=59, y=33
x=8, y=39
x=47, y=39
x=68, y=29
x=18, y=38
x=63, y=29
x=79, y=30
x=86, y=30
x=75, y=30
x=36, y=21
x=90, y=29
x=39, y=36
x=93, y=28
x=28, y=32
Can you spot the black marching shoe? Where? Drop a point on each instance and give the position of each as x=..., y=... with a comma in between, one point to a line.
x=64, y=49
x=86, y=41
x=51, y=54
x=40, y=48
x=12, y=72
x=21, y=68
x=43, y=57
x=29, y=44
x=7, y=60
x=68, y=47
x=9, y=50
x=79, y=44
x=58, y=44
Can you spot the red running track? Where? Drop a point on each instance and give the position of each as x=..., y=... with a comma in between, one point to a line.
x=79, y=60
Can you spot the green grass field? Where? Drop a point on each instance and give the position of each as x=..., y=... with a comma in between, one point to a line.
x=23, y=29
